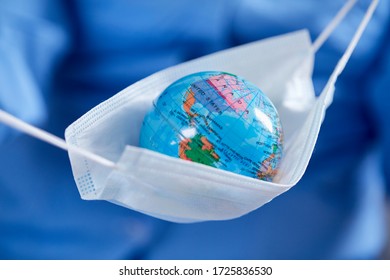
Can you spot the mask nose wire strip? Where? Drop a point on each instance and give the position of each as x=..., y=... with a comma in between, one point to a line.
x=47, y=137
x=324, y=35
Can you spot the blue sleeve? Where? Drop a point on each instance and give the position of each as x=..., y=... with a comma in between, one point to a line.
x=33, y=37
x=379, y=93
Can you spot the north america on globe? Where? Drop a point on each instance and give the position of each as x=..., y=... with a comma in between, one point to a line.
x=217, y=119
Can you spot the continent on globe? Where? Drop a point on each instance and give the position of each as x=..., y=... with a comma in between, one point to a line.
x=267, y=171
x=198, y=149
x=216, y=119
x=218, y=94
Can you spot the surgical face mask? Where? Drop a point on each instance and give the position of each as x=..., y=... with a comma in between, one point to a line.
x=108, y=164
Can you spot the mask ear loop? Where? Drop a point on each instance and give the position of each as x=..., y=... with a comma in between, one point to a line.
x=324, y=35
x=326, y=95
x=328, y=91
x=38, y=133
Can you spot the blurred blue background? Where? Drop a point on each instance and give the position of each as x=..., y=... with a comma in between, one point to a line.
x=58, y=59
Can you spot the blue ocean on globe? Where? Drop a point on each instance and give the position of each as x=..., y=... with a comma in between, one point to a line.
x=217, y=119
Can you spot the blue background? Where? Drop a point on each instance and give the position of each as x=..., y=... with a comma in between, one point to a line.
x=58, y=59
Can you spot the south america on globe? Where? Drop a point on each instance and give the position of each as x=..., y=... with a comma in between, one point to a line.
x=217, y=119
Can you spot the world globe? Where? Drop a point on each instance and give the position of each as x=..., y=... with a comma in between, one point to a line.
x=217, y=119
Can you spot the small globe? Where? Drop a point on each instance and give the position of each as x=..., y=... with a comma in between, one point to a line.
x=217, y=119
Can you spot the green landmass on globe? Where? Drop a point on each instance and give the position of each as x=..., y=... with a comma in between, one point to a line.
x=216, y=119
x=198, y=149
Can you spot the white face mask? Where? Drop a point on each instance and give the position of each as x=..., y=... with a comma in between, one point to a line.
x=117, y=170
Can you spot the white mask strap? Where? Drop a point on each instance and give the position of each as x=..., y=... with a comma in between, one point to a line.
x=321, y=39
x=347, y=54
x=50, y=138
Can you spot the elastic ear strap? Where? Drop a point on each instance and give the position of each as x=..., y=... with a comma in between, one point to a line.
x=332, y=25
x=346, y=56
x=35, y=132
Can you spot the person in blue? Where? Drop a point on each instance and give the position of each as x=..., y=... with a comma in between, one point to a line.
x=58, y=59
